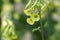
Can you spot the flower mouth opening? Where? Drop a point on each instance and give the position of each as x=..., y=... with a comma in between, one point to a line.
x=35, y=16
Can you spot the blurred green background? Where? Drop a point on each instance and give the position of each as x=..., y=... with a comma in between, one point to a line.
x=50, y=22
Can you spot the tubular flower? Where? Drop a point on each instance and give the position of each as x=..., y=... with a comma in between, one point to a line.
x=30, y=21
x=43, y=8
x=14, y=36
x=27, y=12
x=35, y=17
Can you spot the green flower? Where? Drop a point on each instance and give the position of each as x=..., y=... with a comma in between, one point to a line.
x=30, y=21
x=14, y=36
x=27, y=12
x=35, y=17
x=43, y=8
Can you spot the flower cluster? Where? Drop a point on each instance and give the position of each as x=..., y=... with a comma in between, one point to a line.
x=34, y=16
x=33, y=11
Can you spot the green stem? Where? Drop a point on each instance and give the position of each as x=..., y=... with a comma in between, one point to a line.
x=42, y=28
